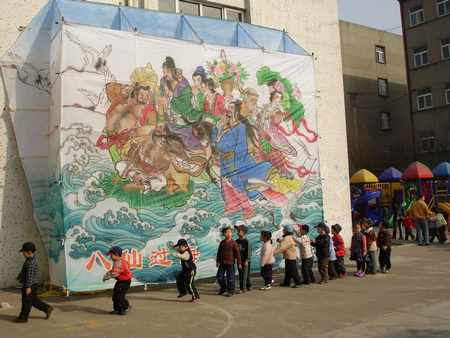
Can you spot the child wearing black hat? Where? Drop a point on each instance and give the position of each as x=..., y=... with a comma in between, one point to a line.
x=245, y=250
x=186, y=278
x=29, y=278
x=121, y=272
x=267, y=259
x=227, y=255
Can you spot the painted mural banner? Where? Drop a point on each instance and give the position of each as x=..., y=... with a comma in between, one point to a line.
x=152, y=139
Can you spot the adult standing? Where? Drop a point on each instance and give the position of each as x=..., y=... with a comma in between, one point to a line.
x=420, y=212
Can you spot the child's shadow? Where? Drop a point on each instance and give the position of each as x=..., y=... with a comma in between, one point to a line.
x=11, y=318
x=81, y=308
x=174, y=300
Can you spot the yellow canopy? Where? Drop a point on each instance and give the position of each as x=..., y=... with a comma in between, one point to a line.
x=363, y=176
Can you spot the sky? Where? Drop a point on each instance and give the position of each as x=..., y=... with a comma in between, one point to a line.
x=380, y=14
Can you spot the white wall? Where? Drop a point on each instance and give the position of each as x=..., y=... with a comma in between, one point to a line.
x=16, y=214
x=312, y=23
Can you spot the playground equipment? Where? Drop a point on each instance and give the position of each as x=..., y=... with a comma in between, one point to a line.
x=367, y=194
x=419, y=177
x=442, y=186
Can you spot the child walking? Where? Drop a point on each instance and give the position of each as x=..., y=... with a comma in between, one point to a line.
x=332, y=273
x=121, y=272
x=358, y=250
x=408, y=224
x=245, y=251
x=288, y=248
x=227, y=255
x=384, y=242
x=306, y=255
x=29, y=278
x=186, y=278
x=267, y=259
x=322, y=245
x=339, y=247
x=372, y=249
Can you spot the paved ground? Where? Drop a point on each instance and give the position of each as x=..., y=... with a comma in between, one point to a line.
x=412, y=301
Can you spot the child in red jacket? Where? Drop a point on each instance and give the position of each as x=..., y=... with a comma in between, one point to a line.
x=408, y=224
x=121, y=272
x=339, y=247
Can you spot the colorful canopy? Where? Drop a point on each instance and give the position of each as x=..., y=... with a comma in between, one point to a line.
x=390, y=175
x=442, y=170
x=363, y=176
x=416, y=171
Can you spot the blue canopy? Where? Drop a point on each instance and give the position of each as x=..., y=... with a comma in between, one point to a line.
x=442, y=170
x=390, y=175
x=168, y=25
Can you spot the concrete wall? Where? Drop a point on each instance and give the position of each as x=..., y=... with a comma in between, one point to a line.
x=369, y=146
x=16, y=214
x=313, y=23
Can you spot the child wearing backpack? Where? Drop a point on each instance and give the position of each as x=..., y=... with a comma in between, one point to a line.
x=358, y=250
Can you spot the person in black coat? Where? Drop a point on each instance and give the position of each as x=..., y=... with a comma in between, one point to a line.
x=322, y=245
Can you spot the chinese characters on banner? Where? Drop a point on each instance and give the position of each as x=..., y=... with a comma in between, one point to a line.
x=135, y=259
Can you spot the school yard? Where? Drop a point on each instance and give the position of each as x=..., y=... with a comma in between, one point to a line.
x=412, y=301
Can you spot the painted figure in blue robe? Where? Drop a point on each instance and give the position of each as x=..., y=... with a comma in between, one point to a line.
x=237, y=166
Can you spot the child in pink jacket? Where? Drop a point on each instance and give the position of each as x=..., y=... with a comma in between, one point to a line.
x=267, y=259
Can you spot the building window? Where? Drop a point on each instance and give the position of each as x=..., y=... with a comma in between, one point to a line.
x=447, y=94
x=383, y=87
x=189, y=8
x=428, y=144
x=234, y=15
x=416, y=16
x=420, y=57
x=445, y=48
x=211, y=11
x=385, y=121
x=198, y=8
x=141, y=3
x=167, y=6
x=380, y=54
x=443, y=7
x=424, y=99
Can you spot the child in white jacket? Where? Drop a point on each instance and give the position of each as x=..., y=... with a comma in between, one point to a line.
x=267, y=259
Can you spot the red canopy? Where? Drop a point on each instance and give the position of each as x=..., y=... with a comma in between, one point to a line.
x=417, y=171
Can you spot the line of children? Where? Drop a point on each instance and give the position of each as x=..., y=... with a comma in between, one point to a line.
x=330, y=252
